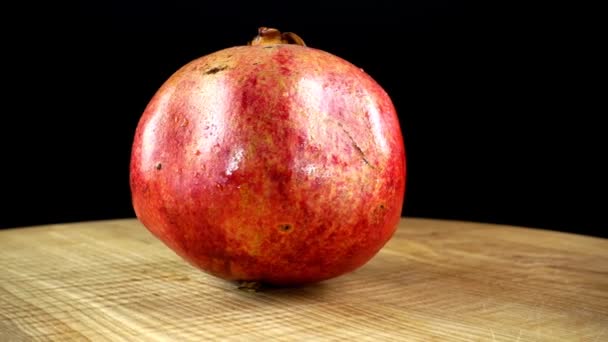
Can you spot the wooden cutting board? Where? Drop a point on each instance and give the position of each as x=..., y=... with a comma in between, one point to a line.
x=435, y=280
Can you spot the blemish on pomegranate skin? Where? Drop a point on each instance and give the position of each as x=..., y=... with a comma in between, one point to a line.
x=362, y=155
x=355, y=145
x=158, y=166
x=285, y=227
x=215, y=70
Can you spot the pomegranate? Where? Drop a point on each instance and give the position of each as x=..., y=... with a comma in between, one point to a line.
x=271, y=162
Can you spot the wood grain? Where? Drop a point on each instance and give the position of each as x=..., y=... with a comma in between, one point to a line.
x=435, y=280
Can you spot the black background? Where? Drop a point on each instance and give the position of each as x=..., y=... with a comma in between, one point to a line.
x=495, y=103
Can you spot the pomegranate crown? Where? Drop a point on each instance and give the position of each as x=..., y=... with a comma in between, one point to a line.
x=272, y=36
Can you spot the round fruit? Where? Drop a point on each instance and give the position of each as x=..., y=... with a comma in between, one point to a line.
x=272, y=162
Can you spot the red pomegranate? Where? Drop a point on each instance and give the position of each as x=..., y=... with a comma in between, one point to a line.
x=272, y=162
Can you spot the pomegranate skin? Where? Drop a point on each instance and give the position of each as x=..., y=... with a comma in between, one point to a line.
x=280, y=163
